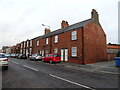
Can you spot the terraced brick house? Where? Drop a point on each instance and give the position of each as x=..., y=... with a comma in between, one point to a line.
x=83, y=42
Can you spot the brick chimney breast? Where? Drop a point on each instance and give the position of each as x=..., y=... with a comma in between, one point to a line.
x=95, y=17
x=64, y=24
x=47, y=30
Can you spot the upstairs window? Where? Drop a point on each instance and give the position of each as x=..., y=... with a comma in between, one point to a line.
x=30, y=43
x=24, y=44
x=56, y=39
x=37, y=42
x=74, y=35
x=46, y=40
x=74, y=51
x=21, y=45
x=27, y=43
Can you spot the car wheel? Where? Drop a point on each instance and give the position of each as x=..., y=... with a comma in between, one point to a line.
x=42, y=60
x=51, y=61
x=5, y=68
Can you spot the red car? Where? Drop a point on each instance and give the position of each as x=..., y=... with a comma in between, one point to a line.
x=52, y=58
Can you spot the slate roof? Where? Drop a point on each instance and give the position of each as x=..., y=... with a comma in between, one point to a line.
x=36, y=38
x=68, y=28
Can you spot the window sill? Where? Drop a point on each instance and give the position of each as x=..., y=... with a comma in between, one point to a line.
x=74, y=40
x=73, y=56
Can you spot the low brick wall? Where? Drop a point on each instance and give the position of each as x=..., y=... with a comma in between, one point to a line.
x=111, y=56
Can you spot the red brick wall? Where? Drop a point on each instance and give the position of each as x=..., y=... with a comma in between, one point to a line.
x=95, y=44
x=34, y=46
x=42, y=45
x=65, y=41
x=95, y=49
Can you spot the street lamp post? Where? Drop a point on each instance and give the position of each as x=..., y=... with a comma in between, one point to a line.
x=46, y=25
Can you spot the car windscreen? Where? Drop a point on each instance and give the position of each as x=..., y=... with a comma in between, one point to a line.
x=56, y=55
x=2, y=56
x=39, y=55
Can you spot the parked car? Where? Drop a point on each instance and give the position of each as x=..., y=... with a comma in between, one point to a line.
x=22, y=56
x=52, y=58
x=7, y=55
x=35, y=57
x=16, y=56
x=12, y=55
x=3, y=61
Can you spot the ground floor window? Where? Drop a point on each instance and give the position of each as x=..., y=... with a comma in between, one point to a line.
x=46, y=52
x=21, y=51
x=55, y=50
x=30, y=51
x=74, y=51
x=42, y=52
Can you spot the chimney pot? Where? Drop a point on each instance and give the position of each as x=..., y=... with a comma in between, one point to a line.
x=94, y=14
x=47, y=30
x=64, y=24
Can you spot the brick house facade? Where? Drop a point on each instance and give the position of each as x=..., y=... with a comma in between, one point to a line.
x=83, y=42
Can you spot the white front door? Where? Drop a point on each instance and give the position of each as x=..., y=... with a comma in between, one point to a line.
x=26, y=51
x=42, y=52
x=66, y=54
x=62, y=55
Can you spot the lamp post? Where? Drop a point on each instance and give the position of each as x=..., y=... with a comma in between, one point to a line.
x=46, y=25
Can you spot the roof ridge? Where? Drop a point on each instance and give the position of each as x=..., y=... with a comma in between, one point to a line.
x=68, y=28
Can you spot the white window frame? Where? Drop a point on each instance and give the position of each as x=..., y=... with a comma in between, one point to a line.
x=56, y=39
x=30, y=51
x=37, y=42
x=21, y=45
x=46, y=52
x=26, y=51
x=74, y=52
x=30, y=43
x=42, y=52
x=27, y=43
x=74, y=35
x=56, y=50
x=24, y=44
x=46, y=40
x=21, y=51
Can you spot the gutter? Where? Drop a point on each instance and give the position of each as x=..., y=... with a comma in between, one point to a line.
x=83, y=46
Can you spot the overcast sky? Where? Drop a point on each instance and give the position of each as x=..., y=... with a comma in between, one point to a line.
x=21, y=19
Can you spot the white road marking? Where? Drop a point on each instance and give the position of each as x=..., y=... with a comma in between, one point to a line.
x=84, y=86
x=30, y=68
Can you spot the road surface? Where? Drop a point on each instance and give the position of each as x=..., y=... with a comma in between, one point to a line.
x=24, y=73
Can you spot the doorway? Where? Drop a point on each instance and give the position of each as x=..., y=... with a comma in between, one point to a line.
x=64, y=55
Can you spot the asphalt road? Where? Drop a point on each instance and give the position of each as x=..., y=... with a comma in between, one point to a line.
x=24, y=73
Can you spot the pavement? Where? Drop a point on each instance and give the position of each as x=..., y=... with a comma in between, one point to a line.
x=108, y=67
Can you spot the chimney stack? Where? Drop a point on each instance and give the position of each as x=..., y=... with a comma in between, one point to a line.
x=47, y=30
x=94, y=15
x=64, y=24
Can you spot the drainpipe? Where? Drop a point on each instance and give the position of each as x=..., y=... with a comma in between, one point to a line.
x=50, y=44
x=83, y=46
